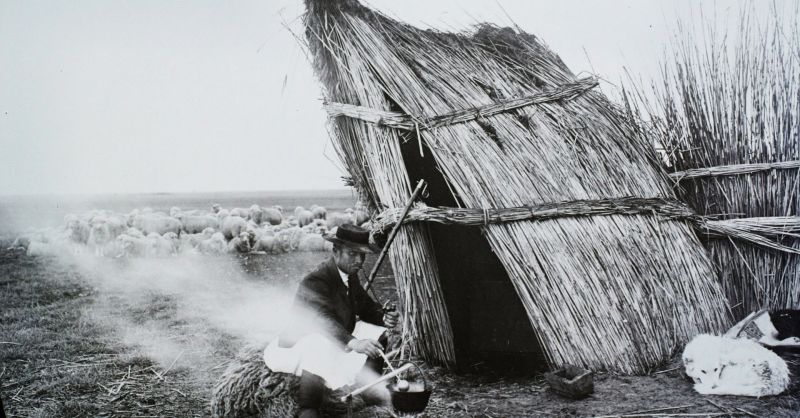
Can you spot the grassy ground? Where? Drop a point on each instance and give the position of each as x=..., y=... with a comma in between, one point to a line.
x=60, y=358
x=55, y=363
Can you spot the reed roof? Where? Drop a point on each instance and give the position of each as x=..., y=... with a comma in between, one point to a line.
x=619, y=291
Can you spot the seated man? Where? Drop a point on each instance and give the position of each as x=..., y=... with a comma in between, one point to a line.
x=328, y=348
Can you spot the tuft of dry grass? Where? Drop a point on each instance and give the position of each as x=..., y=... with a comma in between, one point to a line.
x=616, y=292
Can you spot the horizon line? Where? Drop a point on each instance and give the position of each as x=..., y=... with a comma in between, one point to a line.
x=43, y=194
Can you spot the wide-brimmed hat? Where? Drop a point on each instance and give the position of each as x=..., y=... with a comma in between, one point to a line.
x=351, y=236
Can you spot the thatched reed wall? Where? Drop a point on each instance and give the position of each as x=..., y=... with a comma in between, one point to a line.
x=728, y=114
x=617, y=292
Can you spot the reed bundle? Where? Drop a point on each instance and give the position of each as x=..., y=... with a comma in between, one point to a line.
x=249, y=389
x=728, y=114
x=619, y=292
x=756, y=231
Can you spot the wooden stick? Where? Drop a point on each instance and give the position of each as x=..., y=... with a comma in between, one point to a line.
x=706, y=414
x=670, y=408
x=383, y=378
x=667, y=371
x=404, y=122
x=393, y=234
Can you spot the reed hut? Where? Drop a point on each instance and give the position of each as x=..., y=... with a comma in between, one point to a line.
x=728, y=115
x=549, y=230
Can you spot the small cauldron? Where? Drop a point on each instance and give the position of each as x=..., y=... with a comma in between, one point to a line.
x=415, y=399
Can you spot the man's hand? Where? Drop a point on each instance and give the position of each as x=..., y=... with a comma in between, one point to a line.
x=391, y=319
x=369, y=347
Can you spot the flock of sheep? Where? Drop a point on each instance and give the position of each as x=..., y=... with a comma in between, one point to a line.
x=149, y=233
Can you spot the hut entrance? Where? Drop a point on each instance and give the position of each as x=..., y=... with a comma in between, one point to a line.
x=491, y=329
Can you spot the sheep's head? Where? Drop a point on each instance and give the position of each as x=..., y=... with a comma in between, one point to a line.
x=702, y=359
x=705, y=370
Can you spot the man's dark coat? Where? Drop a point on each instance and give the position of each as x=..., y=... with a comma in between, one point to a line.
x=323, y=293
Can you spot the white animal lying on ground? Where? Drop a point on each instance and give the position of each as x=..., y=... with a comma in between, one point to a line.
x=727, y=366
x=240, y=244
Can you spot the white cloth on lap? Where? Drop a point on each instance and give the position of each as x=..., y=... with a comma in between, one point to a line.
x=320, y=355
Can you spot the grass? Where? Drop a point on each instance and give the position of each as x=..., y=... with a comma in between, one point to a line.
x=67, y=365
x=56, y=363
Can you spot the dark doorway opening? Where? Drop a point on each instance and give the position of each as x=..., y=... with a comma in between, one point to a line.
x=490, y=327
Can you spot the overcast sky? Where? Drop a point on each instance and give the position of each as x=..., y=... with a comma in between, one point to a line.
x=102, y=96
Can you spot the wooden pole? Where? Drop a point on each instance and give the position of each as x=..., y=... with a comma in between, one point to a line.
x=385, y=250
x=383, y=378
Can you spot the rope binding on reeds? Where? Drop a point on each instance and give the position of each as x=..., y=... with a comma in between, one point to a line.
x=405, y=122
x=754, y=230
x=733, y=170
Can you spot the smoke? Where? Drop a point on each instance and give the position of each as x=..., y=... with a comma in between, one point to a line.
x=191, y=311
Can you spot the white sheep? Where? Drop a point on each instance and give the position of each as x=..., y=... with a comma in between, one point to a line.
x=728, y=366
x=240, y=244
x=256, y=214
x=161, y=246
x=289, y=239
x=132, y=245
x=214, y=245
x=267, y=243
x=241, y=212
x=337, y=219
x=314, y=242
x=304, y=217
x=232, y=226
x=193, y=224
x=193, y=240
x=272, y=216
x=78, y=230
x=360, y=216
x=319, y=212
x=156, y=223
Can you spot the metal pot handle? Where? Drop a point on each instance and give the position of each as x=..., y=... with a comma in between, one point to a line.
x=421, y=373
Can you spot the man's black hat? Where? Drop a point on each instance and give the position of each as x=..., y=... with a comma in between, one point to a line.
x=351, y=236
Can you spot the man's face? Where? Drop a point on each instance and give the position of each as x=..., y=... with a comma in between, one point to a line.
x=348, y=260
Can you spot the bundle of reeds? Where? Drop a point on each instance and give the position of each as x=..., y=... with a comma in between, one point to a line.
x=249, y=389
x=728, y=115
x=617, y=291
